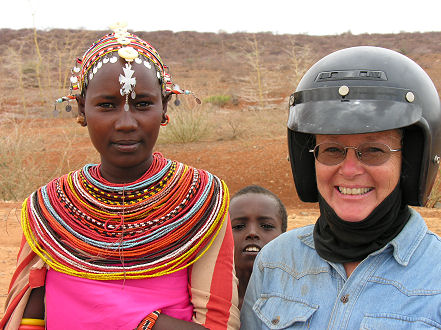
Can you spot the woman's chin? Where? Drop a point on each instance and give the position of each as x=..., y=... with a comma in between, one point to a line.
x=353, y=215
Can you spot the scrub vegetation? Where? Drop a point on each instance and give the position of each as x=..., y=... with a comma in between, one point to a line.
x=238, y=132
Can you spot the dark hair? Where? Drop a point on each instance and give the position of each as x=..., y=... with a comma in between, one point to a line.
x=255, y=189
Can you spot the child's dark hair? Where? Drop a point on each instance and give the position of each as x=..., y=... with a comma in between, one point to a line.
x=255, y=189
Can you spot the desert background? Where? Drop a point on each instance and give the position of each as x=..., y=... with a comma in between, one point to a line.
x=238, y=132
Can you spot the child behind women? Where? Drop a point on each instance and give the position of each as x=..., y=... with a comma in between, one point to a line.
x=136, y=239
x=257, y=217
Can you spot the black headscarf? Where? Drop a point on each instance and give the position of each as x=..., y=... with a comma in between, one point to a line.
x=342, y=241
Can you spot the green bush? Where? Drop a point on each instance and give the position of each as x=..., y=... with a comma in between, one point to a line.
x=187, y=124
x=219, y=100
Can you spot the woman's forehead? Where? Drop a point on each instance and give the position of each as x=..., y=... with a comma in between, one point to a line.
x=117, y=74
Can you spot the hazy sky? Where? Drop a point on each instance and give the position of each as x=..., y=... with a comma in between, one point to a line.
x=314, y=17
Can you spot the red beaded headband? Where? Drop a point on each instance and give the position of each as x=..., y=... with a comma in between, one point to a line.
x=129, y=47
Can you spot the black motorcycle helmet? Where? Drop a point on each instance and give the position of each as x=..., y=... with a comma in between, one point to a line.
x=364, y=90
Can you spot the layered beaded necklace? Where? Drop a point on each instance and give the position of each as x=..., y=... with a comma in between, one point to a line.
x=82, y=225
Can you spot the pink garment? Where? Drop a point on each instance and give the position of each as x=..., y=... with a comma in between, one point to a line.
x=79, y=303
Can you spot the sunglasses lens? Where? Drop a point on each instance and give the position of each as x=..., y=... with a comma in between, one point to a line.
x=329, y=153
x=374, y=153
x=371, y=153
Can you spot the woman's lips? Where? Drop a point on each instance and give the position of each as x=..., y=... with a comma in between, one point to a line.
x=126, y=146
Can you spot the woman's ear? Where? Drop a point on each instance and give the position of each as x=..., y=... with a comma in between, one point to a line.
x=80, y=102
x=165, y=100
x=81, y=118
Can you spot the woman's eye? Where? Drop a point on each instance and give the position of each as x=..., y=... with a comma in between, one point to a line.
x=333, y=150
x=143, y=105
x=372, y=150
x=106, y=105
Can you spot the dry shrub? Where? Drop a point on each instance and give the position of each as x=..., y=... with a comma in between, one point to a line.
x=188, y=123
x=219, y=100
x=31, y=156
x=252, y=84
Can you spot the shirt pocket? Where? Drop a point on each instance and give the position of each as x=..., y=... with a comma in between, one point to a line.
x=281, y=312
x=397, y=321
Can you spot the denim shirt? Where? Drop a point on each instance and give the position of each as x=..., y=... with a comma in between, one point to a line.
x=396, y=287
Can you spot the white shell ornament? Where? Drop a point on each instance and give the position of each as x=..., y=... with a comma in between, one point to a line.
x=76, y=69
x=147, y=64
x=138, y=60
x=73, y=80
x=124, y=40
x=105, y=60
x=120, y=34
x=119, y=26
x=128, y=53
x=113, y=59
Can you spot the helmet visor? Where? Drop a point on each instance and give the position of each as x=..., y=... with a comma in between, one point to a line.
x=364, y=109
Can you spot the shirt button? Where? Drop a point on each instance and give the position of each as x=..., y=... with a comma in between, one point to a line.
x=344, y=299
x=275, y=320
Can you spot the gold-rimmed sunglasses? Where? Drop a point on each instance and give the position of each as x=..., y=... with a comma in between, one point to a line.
x=370, y=153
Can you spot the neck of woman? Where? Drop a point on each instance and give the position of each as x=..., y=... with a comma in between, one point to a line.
x=350, y=267
x=115, y=174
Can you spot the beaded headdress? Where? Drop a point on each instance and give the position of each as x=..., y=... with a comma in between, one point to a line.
x=127, y=46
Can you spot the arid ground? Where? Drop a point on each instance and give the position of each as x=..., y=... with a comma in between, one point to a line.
x=244, y=136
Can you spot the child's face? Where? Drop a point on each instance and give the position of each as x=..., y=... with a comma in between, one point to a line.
x=124, y=139
x=255, y=221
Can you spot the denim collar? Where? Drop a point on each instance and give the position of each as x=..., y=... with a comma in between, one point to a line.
x=408, y=240
x=404, y=244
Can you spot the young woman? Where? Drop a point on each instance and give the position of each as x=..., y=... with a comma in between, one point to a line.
x=137, y=241
x=365, y=142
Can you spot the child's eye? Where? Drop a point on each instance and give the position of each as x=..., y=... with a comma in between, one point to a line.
x=238, y=227
x=267, y=226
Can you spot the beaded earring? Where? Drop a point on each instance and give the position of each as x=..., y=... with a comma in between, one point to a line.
x=81, y=119
x=166, y=121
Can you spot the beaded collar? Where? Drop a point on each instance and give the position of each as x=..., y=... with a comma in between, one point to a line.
x=84, y=226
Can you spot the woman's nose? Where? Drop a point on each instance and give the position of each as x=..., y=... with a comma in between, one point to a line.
x=351, y=165
x=126, y=120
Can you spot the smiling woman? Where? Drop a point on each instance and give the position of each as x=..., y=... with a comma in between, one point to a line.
x=352, y=189
x=133, y=242
x=365, y=142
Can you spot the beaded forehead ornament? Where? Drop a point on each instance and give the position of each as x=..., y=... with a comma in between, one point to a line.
x=129, y=47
